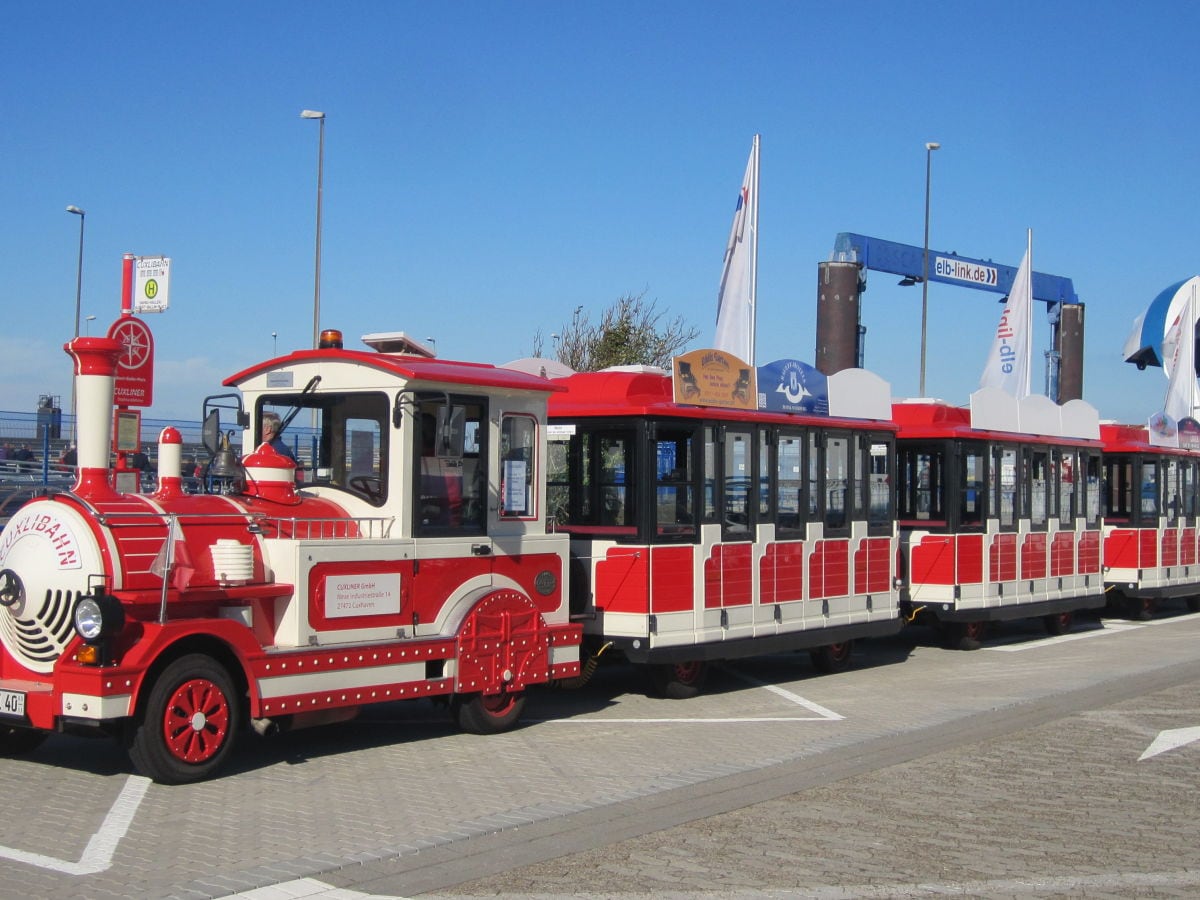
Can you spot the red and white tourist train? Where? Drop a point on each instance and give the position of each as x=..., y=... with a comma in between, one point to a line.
x=465, y=532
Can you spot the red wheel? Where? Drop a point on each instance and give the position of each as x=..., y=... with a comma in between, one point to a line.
x=1140, y=608
x=490, y=714
x=832, y=657
x=679, y=681
x=1059, y=623
x=186, y=728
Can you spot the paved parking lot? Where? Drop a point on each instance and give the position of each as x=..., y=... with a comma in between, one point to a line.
x=967, y=770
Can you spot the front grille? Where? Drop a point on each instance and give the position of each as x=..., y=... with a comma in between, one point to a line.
x=37, y=637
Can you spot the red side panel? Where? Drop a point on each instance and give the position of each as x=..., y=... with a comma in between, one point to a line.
x=737, y=572
x=1170, y=547
x=1148, y=544
x=829, y=569
x=671, y=579
x=1089, y=553
x=970, y=559
x=872, y=566
x=622, y=581
x=1062, y=554
x=1187, y=547
x=1033, y=555
x=1003, y=557
x=782, y=573
x=933, y=560
x=1121, y=549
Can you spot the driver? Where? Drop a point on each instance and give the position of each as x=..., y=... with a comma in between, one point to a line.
x=270, y=435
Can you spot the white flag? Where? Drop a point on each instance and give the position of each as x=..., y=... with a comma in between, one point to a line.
x=1008, y=365
x=736, y=297
x=1179, y=360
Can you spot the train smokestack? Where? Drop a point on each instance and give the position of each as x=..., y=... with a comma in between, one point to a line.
x=95, y=377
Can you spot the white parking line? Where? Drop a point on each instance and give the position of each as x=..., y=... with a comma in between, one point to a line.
x=306, y=887
x=1105, y=629
x=98, y=854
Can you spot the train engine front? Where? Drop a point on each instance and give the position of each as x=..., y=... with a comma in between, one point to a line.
x=172, y=619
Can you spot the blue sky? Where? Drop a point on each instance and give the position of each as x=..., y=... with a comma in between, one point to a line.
x=489, y=167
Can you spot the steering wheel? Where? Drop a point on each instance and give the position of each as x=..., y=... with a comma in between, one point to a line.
x=370, y=486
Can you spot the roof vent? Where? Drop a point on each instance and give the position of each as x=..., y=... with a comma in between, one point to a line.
x=399, y=343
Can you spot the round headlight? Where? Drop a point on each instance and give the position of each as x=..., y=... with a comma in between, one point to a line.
x=89, y=618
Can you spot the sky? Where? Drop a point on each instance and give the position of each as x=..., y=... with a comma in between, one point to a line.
x=490, y=167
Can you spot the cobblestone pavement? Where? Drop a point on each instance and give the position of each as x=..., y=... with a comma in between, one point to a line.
x=1061, y=810
x=851, y=783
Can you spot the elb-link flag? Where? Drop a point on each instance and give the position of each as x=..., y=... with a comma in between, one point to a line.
x=1179, y=358
x=736, y=297
x=1008, y=364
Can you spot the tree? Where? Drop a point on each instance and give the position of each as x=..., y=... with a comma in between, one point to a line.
x=632, y=331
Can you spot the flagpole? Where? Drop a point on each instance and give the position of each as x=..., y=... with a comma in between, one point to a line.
x=754, y=262
x=1029, y=314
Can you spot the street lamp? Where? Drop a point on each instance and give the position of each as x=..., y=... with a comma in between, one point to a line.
x=76, y=211
x=929, y=148
x=320, y=117
x=274, y=343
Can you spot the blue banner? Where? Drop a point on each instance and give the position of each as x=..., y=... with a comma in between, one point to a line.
x=788, y=385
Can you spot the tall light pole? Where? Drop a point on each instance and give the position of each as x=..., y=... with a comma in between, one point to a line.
x=929, y=148
x=320, y=117
x=76, y=211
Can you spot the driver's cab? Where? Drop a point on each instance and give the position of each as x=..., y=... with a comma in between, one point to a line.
x=443, y=449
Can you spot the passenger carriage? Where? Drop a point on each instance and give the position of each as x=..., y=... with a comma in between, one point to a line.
x=999, y=512
x=1150, y=521
x=701, y=533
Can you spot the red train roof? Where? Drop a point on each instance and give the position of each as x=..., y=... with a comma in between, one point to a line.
x=938, y=421
x=624, y=393
x=410, y=368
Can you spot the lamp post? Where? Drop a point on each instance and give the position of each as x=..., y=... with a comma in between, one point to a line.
x=90, y=320
x=929, y=148
x=76, y=211
x=320, y=117
x=274, y=343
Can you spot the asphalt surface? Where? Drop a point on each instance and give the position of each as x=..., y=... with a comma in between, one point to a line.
x=1021, y=769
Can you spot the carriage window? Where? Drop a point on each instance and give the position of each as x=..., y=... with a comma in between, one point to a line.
x=1040, y=482
x=1118, y=487
x=518, y=474
x=789, y=486
x=710, y=476
x=879, y=483
x=1065, y=461
x=837, y=479
x=1006, y=479
x=814, y=477
x=764, y=475
x=1149, y=491
x=738, y=485
x=590, y=484
x=972, y=501
x=1187, y=473
x=1171, y=498
x=558, y=476
x=675, y=500
x=450, y=449
x=921, y=477
x=1091, y=484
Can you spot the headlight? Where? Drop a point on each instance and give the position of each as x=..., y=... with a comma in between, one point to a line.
x=98, y=616
x=89, y=618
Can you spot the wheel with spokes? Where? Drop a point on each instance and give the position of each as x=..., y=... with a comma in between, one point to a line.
x=832, y=657
x=186, y=729
x=488, y=713
x=679, y=681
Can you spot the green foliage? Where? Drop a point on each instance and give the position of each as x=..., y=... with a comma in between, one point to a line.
x=632, y=331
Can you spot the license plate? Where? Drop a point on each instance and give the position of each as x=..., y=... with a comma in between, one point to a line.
x=12, y=703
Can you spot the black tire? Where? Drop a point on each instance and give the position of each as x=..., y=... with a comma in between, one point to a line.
x=964, y=635
x=1140, y=609
x=1193, y=604
x=19, y=741
x=678, y=681
x=832, y=658
x=1059, y=623
x=492, y=714
x=187, y=727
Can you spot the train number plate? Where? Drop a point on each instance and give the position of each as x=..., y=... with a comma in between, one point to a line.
x=12, y=703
